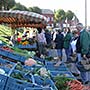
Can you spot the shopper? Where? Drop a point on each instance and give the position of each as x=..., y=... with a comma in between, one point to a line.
x=82, y=48
x=59, y=46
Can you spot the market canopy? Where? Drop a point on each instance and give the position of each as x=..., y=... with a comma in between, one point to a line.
x=18, y=18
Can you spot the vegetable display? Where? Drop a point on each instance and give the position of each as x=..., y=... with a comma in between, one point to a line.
x=30, y=62
x=19, y=75
x=75, y=85
x=60, y=82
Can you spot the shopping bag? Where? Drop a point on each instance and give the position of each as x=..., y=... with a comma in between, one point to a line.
x=85, y=61
x=84, y=65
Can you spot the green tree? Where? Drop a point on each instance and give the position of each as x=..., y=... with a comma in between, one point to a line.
x=7, y=4
x=18, y=6
x=30, y=9
x=2, y=4
x=35, y=9
x=69, y=16
x=60, y=16
x=10, y=4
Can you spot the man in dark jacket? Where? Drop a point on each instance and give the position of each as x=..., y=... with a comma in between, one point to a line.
x=82, y=48
x=59, y=46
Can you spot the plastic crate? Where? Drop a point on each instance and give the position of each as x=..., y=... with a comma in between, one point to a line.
x=28, y=46
x=3, y=52
x=22, y=59
x=3, y=80
x=39, y=59
x=19, y=46
x=5, y=69
x=32, y=67
x=2, y=44
x=51, y=64
x=62, y=73
x=17, y=57
x=6, y=63
x=13, y=56
x=44, y=82
x=61, y=67
x=39, y=89
x=17, y=84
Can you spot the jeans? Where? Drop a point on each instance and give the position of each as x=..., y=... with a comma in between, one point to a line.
x=79, y=56
x=84, y=75
x=41, y=48
x=59, y=52
x=68, y=53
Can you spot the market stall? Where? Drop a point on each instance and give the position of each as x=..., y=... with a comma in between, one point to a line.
x=18, y=18
x=23, y=19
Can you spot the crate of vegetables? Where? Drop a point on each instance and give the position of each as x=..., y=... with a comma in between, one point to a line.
x=4, y=50
x=3, y=77
x=67, y=74
x=19, y=81
x=44, y=82
x=27, y=69
x=6, y=63
x=10, y=65
x=10, y=54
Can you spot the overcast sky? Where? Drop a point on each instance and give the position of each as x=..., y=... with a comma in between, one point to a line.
x=77, y=6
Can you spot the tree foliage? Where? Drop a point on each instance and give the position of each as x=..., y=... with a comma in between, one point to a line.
x=7, y=4
x=60, y=15
x=69, y=15
x=35, y=9
x=18, y=6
